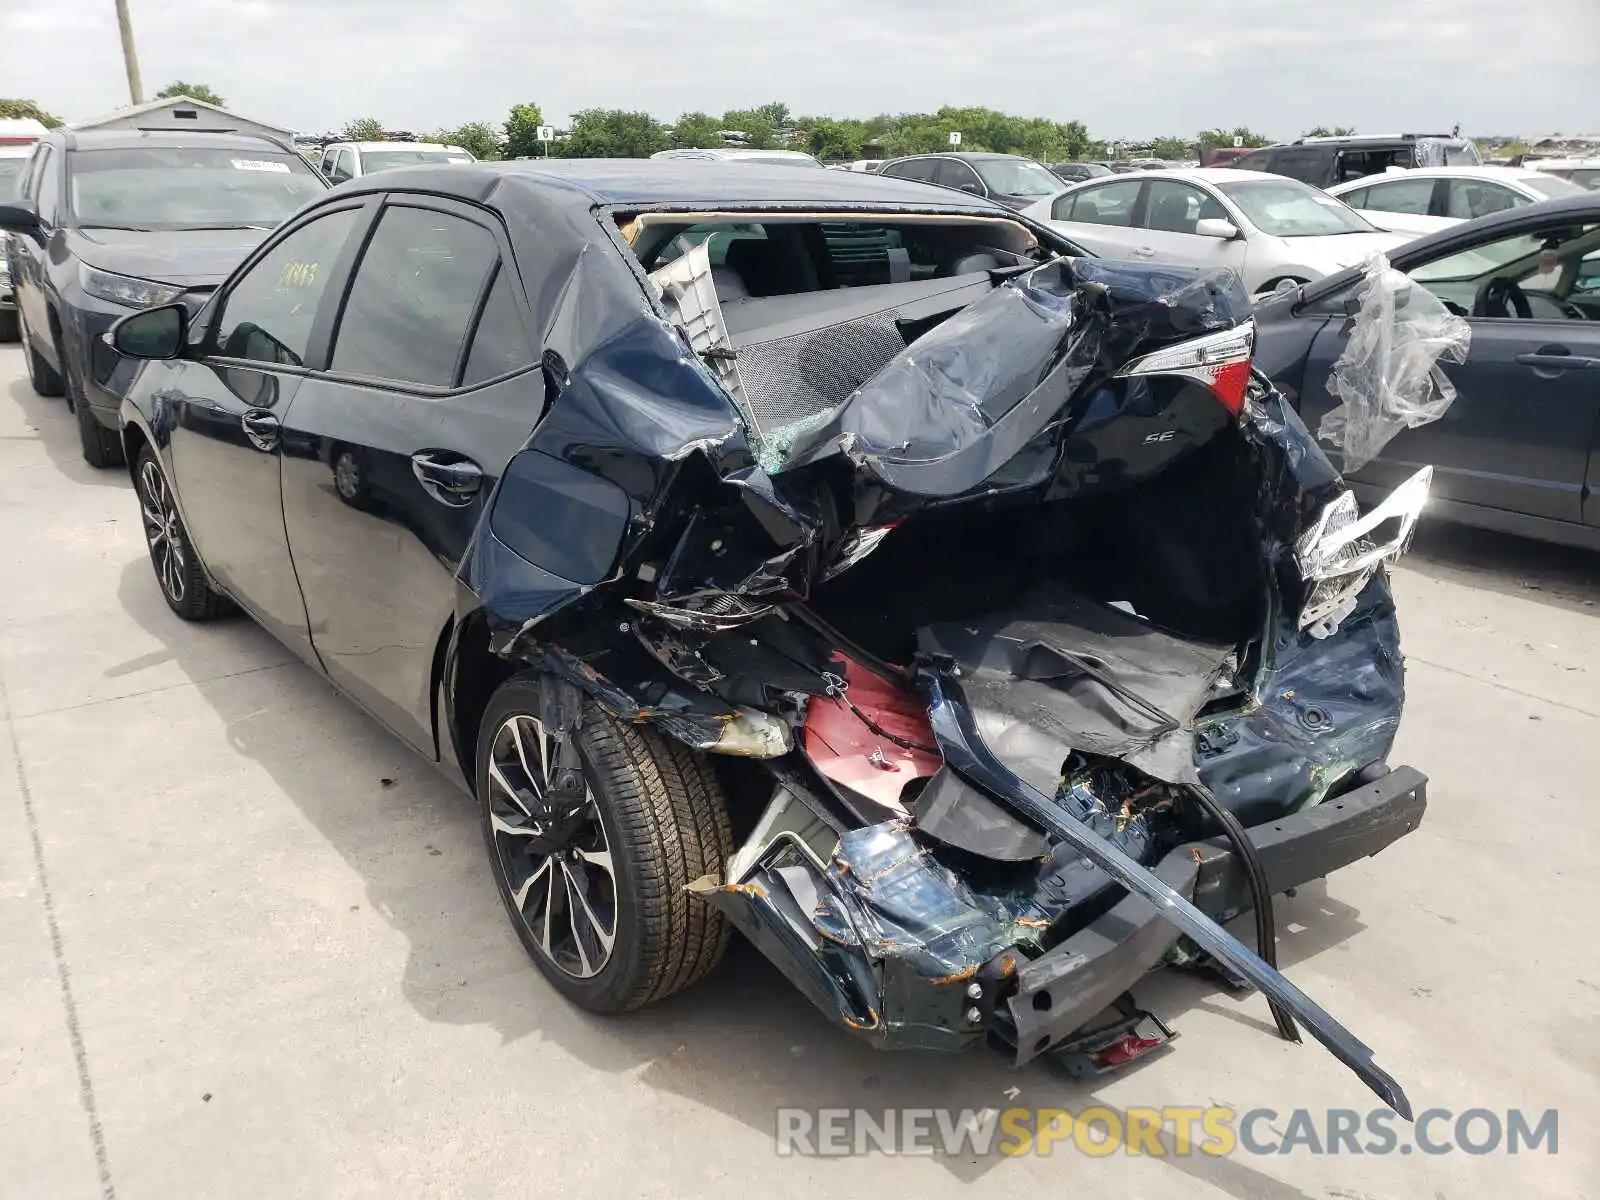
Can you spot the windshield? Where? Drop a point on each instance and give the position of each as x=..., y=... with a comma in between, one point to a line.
x=1016, y=177
x=188, y=187
x=10, y=176
x=388, y=160
x=1289, y=208
x=1550, y=186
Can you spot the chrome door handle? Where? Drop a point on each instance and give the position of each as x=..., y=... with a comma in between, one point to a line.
x=450, y=481
x=1545, y=361
x=262, y=428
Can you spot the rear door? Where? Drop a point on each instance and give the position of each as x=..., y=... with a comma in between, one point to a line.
x=1104, y=218
x=391, y=454
x=1519, y=433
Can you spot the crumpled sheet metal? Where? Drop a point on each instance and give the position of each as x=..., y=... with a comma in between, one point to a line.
x=1389, y=377
x=886, y=936
x=969, y=396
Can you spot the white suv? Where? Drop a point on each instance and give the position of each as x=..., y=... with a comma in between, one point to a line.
x=346, y=160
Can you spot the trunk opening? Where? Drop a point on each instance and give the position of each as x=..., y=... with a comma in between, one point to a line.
x=1182, y=548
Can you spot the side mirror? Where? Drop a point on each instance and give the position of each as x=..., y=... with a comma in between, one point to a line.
x=19, y=217
x=972, y=188
x=1215, y=227
x=153, y=333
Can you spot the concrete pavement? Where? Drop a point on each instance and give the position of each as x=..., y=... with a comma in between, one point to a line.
x=252, y=948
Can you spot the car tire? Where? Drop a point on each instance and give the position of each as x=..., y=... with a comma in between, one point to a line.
x=10, y=326
x=179, y=573
x=102, y=447
x=42, y=377
x=652, y=811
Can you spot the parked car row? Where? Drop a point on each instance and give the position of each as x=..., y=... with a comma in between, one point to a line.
x=612, y=489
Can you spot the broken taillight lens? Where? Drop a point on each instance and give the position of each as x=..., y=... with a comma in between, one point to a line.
x=1218, y=361
x=1339, y=554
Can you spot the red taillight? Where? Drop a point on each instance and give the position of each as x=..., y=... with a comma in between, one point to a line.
x=1220, y=361
x=1122, y=1052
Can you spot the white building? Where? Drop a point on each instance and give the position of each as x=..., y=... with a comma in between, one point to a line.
x=181, y=112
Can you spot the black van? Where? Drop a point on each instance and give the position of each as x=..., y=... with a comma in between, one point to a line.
x=1325, y=161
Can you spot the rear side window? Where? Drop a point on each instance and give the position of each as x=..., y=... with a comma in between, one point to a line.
x=1402, y=196
x=416, y=289
x=499, y=345
x=1108, y=204
x=918, y=168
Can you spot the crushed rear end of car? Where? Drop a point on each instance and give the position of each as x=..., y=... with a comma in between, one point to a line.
x=1031, y=628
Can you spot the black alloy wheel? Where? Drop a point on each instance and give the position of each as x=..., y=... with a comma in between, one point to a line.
x=594, y=879
x=183, y=580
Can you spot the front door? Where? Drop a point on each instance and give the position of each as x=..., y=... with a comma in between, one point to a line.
x=391, y=454
x=1172, y=211
x=1518, y=433
x=225, y=412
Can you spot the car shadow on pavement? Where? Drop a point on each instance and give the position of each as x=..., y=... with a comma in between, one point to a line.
x=743, y=1042
x=57, y=432
x=1560, y=576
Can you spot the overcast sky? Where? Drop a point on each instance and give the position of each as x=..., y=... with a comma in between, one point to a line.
x=1127, y=68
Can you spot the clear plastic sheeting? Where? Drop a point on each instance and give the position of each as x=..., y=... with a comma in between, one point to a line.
x=1389, y=377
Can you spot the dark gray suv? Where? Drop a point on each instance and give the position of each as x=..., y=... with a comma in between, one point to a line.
x=110, y=222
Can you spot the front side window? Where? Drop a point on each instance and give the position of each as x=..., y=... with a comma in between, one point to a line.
x=268, y=314
x=47, y=185
x=952, y=172
x=1412, y=196
x=188, y=187
x=416, y=289
x=1177, y=207
x=1469, y=198
x=1108, y=204
x=1288, y=208
x=1017, y=177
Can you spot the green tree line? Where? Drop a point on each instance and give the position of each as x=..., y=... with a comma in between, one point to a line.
x=618, y=133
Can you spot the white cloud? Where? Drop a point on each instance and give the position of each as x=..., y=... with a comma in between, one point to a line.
x=1124, y=67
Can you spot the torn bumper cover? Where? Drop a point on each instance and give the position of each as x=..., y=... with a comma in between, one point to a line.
x=913, y=954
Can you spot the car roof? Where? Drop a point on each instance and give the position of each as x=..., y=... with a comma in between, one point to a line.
x=1582, y=210
x=677, y=183
x=1509, y=174
x=1191, y=174
x=968, y=155
x=165, y=139
x=439, y=146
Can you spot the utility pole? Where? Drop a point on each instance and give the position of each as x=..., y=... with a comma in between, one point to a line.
x=130, y=56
